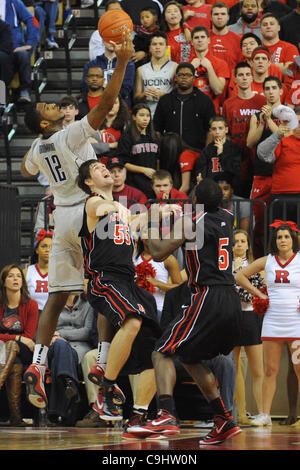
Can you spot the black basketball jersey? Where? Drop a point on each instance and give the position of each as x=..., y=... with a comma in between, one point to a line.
x=208, y=260
x=108, y=250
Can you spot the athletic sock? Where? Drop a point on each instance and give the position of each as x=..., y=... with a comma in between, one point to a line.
x=40, y=354
x=139, y=410
x=108, y=383
x=103, y=348
x=166, y=402
x=219, y=408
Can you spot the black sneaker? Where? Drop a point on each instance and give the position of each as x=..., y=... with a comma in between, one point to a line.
x=137, y=419
x=105, y=406
x=223, y=429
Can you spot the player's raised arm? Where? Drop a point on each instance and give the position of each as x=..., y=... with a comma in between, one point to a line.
x=123, y=52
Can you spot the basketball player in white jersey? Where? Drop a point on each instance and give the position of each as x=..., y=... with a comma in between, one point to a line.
x=58, y=155
x=281, y=323
x=155, y=78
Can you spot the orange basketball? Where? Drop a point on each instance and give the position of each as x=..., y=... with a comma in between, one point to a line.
x=112, y=24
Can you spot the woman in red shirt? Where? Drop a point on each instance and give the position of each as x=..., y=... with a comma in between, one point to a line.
x=18, y=323
x=178, y=35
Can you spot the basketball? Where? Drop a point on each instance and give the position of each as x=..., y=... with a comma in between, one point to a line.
x=112, y=24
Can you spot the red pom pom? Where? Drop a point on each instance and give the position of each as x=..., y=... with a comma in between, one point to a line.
x=260, y=305
x=144, y=270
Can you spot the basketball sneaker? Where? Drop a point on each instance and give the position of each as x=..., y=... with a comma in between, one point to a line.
x=223, y=429
x=164, y=424
x=96, y=374
x=105, y=406
x=35, y=390
x=262, y=419
x=136, y=419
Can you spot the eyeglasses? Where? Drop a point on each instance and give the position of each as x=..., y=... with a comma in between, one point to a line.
x=94, y=76
x=183, y=75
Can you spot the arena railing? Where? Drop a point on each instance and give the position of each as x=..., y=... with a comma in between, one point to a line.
x=70, y=36
x=39, y=77
x=9, y=128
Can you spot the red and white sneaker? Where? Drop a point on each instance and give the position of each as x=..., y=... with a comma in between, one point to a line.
x=105, y=407
x=223, y=429
x=135, y=419
x=35, y=389
x=164, y=424
x=96, y=375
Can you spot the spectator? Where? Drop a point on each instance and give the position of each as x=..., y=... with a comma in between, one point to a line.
x=291, y=80
x=283, y=148
x=211, y=73
x=236, y=204
x=155, y=78
x=197, y=13
x=282, y=53
x=221, y=154
x=107, y=62
x=278, y=8
x=69, y=106
x=143, y=33
x=162, y=187
x=139, y=147
x=47, y=14
x=224, y=44
x=6, y=53
x=17, y=14
x=121, y=190
x=290, y=27
x=248, y=21
x=185, y=110
x=178, y=35
x=96, y=46
x=18, y=322
x=105, y=141
x=95, y=87
x=238, y=110
x=130, y=6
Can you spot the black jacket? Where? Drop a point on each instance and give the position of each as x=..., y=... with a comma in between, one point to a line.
x=189, y=118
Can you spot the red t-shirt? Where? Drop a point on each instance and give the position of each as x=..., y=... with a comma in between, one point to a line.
x=286, y=173
x=274, y=70
x=201, y=18
x=291, y=80
x=131, y=193
x=226, y=47
x=110, y=135
x=93, y=101
x=221, y=70
x=179, y=47
x=282, y=52
x=238, y=112
x=188, y=159
x=229, y=3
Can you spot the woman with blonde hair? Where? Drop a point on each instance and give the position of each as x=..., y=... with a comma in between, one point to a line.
x=250, y=329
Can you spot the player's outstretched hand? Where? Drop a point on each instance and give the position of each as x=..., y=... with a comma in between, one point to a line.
x=124, y=50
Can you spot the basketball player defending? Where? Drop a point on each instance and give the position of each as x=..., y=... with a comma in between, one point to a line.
x=209, y=324
x=59, y=154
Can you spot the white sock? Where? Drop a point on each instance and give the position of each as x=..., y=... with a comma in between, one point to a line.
x=103, y=348
x=40, y=354
x=138, y=408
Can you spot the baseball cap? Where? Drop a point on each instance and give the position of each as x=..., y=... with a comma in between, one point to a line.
x=115, y=161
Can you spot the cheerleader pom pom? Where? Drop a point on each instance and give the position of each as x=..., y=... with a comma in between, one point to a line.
x=260, y=305
x=144, y=270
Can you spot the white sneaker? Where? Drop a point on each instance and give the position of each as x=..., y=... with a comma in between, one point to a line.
x=262, y=420
x=86, y=3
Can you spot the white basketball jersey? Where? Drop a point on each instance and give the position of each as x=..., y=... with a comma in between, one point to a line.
x=161, y=79
x=59, y=158
x=37, y=285
x=283, y=281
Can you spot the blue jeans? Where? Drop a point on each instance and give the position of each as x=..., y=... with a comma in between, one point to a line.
x=49, y=17
x=22, y=65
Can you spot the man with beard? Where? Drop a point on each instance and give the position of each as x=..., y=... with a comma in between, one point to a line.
x=248, y=21
x=224, y=44
x=290, y=27
x=90, y=98
x=185, y=110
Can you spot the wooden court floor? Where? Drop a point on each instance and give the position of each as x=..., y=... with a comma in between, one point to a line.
x=277, y=438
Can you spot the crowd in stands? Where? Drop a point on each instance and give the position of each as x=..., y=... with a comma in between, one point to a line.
x=197, y=101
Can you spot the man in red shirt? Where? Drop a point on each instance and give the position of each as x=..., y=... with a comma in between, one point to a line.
x=283, y=149
x=282, y=53
x=162, y=185
x=211, y=72
x=224, y=44
x=238, y=111
x=128, y=194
